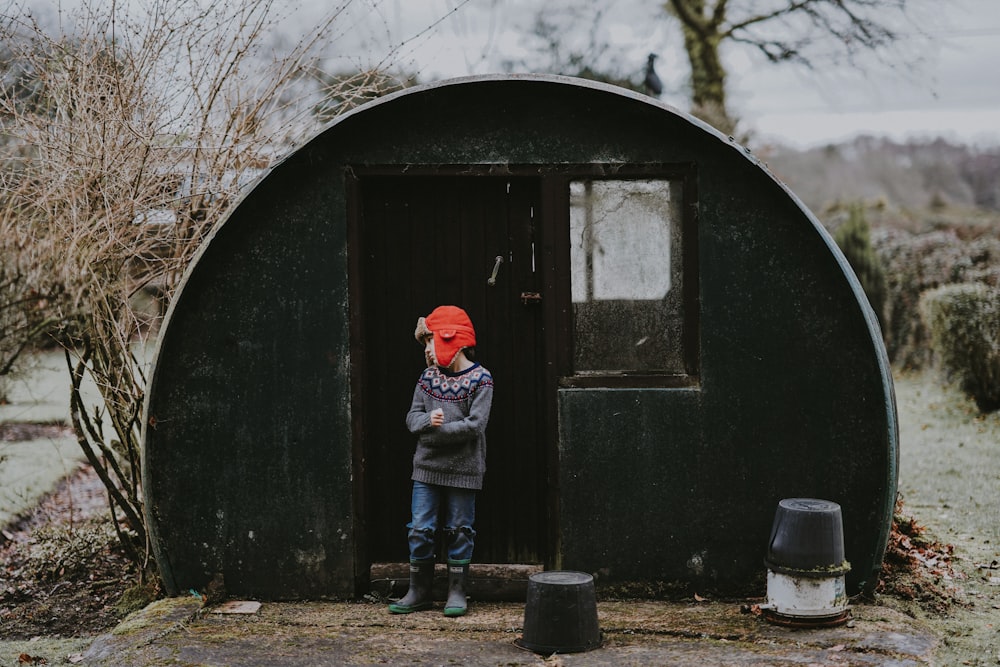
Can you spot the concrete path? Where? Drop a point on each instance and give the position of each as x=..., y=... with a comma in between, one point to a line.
x=179, y=631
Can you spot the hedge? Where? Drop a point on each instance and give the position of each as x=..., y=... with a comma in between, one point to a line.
x=964, y=324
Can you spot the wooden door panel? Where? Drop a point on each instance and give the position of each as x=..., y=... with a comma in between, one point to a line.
x=431, y=240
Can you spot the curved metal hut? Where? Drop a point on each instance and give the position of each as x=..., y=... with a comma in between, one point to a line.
x=676, y=342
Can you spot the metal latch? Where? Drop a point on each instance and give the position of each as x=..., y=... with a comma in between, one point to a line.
x=531, y=297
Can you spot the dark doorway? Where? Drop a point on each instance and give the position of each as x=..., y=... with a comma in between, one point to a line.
x=469, y=240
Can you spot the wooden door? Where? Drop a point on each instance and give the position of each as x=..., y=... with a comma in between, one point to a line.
x=420, y=241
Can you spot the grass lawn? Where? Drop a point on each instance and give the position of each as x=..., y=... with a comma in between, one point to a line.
x=29, y=469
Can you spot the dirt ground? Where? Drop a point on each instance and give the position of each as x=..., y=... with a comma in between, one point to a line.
x=62, y=574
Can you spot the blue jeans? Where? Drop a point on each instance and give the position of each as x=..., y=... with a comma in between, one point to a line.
x=455, y=507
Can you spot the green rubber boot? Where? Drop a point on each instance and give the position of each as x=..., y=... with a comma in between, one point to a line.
x=420, y=595
x=457, y=604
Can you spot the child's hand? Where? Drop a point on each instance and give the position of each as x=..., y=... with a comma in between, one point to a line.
x=437, y=417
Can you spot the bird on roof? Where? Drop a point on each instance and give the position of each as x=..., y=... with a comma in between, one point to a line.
x=652, y=81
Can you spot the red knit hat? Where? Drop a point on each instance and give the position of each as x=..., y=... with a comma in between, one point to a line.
x=452, y=331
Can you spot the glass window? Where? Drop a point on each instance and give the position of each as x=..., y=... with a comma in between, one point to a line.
x=627, y=275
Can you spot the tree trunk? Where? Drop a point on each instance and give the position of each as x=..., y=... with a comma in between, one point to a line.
x=702, y=38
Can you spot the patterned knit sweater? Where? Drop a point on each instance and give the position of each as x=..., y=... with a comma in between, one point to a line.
x=453, y=454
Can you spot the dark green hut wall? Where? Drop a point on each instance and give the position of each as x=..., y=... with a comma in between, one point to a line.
x=791, y=403
x=249, y=465
x=789, y=357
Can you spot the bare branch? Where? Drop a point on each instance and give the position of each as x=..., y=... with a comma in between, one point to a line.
x=752, y=20
x=125, y=136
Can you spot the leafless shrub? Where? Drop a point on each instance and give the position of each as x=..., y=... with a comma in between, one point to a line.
x=914, y=176
x=133, y=132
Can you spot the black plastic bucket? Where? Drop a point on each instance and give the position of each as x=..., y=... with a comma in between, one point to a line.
x=806, y=566
x=560, y=615
x=807, y=538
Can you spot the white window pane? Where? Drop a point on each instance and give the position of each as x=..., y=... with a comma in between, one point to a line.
x=626, y=272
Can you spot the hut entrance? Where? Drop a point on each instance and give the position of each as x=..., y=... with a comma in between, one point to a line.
x=473, y=241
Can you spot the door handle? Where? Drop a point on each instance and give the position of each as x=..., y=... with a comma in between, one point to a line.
x=496, y=267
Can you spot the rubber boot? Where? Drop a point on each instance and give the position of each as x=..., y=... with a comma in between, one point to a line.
x=420, y=595
x=458, y=571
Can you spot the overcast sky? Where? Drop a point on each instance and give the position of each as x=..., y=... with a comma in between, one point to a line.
x=950, y=87
x=947, y=86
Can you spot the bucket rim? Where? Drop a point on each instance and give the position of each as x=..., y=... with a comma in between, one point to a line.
x=548, y=649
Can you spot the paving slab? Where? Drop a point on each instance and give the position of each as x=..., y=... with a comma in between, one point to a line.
x=180, y=631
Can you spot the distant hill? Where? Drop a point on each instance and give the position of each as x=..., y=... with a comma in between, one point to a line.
x=917, y=175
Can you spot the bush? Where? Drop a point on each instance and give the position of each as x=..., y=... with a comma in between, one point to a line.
x=964, y=324
x=854, y=239
x=58, y=554
x=917, y=262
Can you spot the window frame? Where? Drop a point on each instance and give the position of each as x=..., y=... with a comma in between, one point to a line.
x=558, y=192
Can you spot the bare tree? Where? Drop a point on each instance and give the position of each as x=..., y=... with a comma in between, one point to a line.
x=28, y=282
x=568, y=37
x=807, y=33
x=571, y=38
x=134, y=132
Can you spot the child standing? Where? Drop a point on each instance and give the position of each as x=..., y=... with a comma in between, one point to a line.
x=449, y=412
